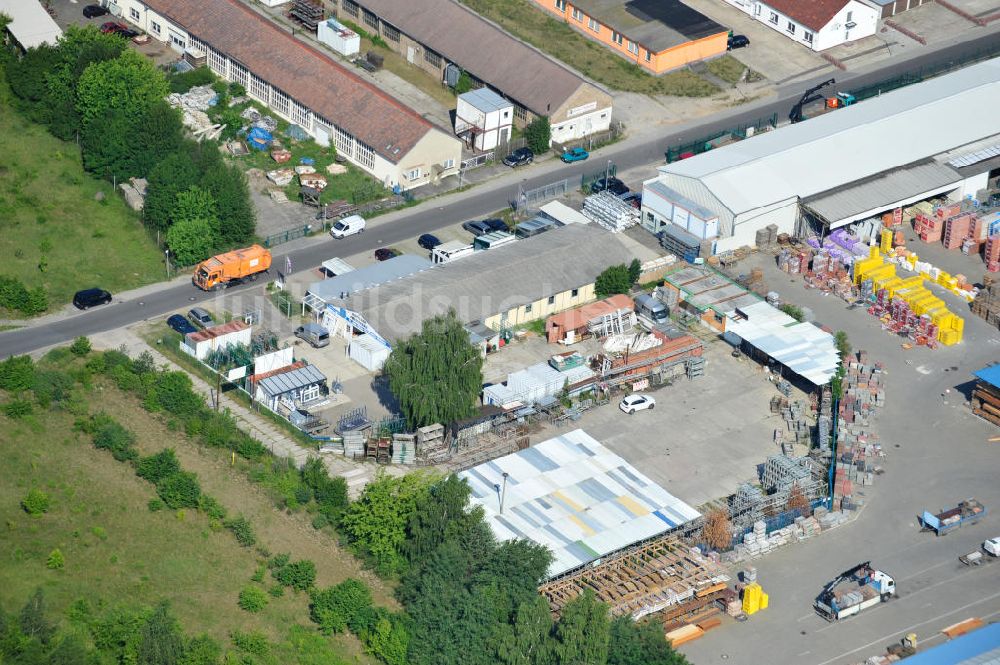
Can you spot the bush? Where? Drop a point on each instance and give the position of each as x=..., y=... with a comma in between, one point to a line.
x=15, y=296
x=211, y=507
x=56, y=560
x=538, y=134
x=252, y=599
x=338, y=607
x=179, y=490
x=80, y=347
x=17, y=408
x=614, y=279
x=35, y=503
x=320, y=521
x=186, y=80
x=175, y=393
x=252, y=642
x=52, y=386
x=299, y=575
x=155, y=505
x=243, y=531
x=108, y=434
x=276, y=590
x=17, y=374
x=157, y=467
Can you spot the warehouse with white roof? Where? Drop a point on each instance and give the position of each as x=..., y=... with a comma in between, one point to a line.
x=839, y=167
x=574, y=496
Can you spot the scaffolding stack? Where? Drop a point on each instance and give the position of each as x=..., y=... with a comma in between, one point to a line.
x=404, y=448
x=611, y=212
x=309, y=13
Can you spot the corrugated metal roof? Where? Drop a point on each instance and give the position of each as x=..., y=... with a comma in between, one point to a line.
x=369, y=276
x=980, y=647
x=990, y=375
x=562, y=213
x=883, y=189
x=576, y=497
x=216, y=331
x=296, y=379
x=485, y=100
x=658, y=25
x=30, y=24
x=801, y=347
x=674, y=197
x=856, y=142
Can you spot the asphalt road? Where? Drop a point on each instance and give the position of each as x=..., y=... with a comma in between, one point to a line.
x=488, y=198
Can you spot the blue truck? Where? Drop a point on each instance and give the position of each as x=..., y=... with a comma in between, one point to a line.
x=941, y=523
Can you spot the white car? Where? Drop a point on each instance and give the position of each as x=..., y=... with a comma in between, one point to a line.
x=636, y=402
x=348, y=226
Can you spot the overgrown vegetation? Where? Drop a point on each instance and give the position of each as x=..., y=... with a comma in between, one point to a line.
x=538, y=134
x=559, y=40
x=727, y=68
x=793, y=311
x=617, y=279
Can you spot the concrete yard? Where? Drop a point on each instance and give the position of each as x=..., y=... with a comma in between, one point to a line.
x=938, y=454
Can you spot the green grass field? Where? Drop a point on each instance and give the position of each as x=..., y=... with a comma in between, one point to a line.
x=727, y=68
x=117, y=552
x=560, y=41
x=47, y=209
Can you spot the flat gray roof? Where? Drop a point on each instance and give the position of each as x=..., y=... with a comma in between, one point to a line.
x=485, y=100
x=368, y=277
x=656, y=24
x=286, y=382
x=30, y=24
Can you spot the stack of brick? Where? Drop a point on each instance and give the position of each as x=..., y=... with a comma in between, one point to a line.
x=858, y=449
x=991, y=253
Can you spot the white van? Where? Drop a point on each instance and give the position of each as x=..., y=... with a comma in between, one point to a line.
x=650, y=310
x=348, y=226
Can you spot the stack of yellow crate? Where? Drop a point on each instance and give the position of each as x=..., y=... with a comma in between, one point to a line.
x=754, y=599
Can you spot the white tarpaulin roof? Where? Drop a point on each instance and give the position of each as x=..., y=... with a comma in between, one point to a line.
x=801, y=347
x=576, y=497
x=30, y=24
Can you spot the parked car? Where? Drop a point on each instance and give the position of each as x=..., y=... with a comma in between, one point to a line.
x=200, y=317
x=180, y=324
x=91, y=298
x=313, y=333
x=428, y=241
x=348, y=226
x=113, y=26
x=737, y=41
x=496, y=224
x=634, y=199
x=386, y=253
x=93, y=11
x=519, y=157
x=613, y=185
x=636, y=402
x=476, y=227
x=575, y=155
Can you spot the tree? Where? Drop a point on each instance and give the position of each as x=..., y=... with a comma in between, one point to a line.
x=33, y=620
x=614, y=279
x=158, y=133
x=434, y=513
x=237, y=218
x=526, y=641
x=634, y=270
x=175, y=174
x=436, y=374
x=106, y=146
x=387, y=640
x=640, y=643
x=464, y=83
x=538, y=134
x=191, y=241
x=160, y=640
x=843, y=344
x=27, y=78
x=56, y=560
x=194, y=203
x=717, y=531
x=252, y=599
x=582, y=634
x=129, y=85
x=80, y=347
x=35, y=503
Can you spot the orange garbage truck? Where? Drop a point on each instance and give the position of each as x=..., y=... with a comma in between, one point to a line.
x=231, y=268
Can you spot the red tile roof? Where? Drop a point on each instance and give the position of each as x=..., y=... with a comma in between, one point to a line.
x=216, y=331
x=281, y=370
x=814, y=14
x=305, y=74
x=575, y=319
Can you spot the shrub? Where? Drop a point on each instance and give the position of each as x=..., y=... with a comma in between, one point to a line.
x=108, y=434
x=179, y=490
x=337, y=607
x=252, y=642
x=299, y=575
x=250, y=449
x=155, y=505
x=320, y=521
x=211, y=507
x=18, y=408
x=17, y=374
x=157, y=467
x=279, y=561
x=51, y=386
x=175, y=393
x=276, y=590
x=36, y=502
x=186, y=80
x=80, y=347
x=538, y=134
x=15, y=296
x=252, y=599
x=243, y=531
x=56, y=560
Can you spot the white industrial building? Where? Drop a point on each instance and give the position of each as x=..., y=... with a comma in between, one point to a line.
x=816, y=24
x=483, y=118
x=938, y=137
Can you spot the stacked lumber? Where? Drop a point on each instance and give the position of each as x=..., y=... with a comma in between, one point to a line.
x=986, y=401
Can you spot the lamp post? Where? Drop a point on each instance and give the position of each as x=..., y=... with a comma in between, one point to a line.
x=501, y=492
x=607, y=174
x=166, y=261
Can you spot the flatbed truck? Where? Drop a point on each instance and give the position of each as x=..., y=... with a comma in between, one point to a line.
x=946, y=521
x=854, y=590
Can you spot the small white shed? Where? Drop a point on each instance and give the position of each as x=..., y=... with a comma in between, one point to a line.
x=338, y=36
x=483, y=118
x=200, y=344
x=368, y=352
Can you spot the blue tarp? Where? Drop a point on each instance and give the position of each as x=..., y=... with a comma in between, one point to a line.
x=259, y=138
x=980, y=646
x=990, y=375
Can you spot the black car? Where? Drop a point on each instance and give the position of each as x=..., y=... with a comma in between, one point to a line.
x=476, y=227
x=428, y=241
x=91, y=298
x=386, y=253
x=180, y=324
x=634, y=199
x=496, y=224
x=613, y=185
x=737, y=41
x=519, y=157
x=93, y=11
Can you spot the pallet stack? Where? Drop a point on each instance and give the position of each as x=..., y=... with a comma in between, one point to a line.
x=987, y=302
x=859, y=452
x=928, y=228
x=986, y=395
x=956, y=230
x=991, y=253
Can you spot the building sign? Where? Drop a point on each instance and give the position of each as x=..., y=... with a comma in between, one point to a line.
x=578, y=110
x=640, y=385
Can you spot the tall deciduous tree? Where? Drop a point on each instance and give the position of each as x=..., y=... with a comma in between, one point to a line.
x=130, y=84
x=234, y=210
x=582, y=633
x=614, y=279
x=106, y=146
x=538, y=134
x=158, y=134
x=191, y=241
x=33, y=620
x=175, y=174
x=436, y=374
x=641, y=644
x=160, y=640
x=194, y=203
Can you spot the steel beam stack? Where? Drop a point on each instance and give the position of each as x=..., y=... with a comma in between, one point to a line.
x=611, y=212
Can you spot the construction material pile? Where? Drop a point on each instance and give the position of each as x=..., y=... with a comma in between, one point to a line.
x=859, y=451
x=767, y=237
x=193, y=105
x=797, y=427
x=987, y=302
x=986, y=395
x=257, y=119
x=610, y=212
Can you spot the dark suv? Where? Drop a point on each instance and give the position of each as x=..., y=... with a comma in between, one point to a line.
x=613, y=185
x=737, y=41
x=519, y=157
x=91, y=298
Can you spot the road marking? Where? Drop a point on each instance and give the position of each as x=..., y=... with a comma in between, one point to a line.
x=910, y=628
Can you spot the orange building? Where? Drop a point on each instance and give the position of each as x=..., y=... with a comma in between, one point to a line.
x=657, y=35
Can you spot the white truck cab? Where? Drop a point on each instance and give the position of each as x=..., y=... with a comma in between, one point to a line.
x=992, y=546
